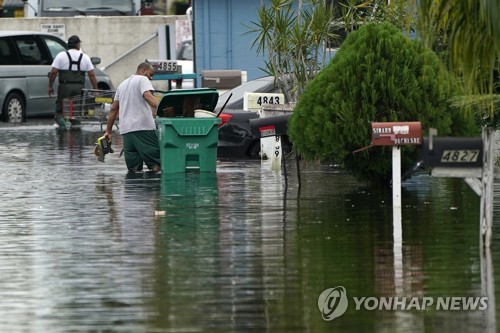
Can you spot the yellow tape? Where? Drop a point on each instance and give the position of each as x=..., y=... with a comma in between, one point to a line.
x=103, y=100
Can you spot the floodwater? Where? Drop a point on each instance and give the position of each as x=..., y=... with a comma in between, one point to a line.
x=86, y=247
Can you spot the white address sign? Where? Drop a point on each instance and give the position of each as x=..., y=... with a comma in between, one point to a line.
x=255, y=101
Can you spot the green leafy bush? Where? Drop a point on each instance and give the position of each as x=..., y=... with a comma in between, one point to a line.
x=377, y=75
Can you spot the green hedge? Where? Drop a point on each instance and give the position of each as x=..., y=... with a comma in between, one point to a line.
x=378, y=74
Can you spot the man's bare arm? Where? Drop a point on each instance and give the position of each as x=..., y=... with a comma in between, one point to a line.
x=151, y=100
x=93, y=79
x=52, y=78
x=113, y=114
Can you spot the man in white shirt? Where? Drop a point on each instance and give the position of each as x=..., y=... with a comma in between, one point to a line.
x=136, y=105
x=71, y=66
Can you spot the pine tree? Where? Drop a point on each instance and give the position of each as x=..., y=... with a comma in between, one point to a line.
x=377, y=75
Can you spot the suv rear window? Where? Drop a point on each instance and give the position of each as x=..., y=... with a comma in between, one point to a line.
x=7, y=53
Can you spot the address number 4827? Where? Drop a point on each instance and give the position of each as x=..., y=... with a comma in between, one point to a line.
x=459, y=156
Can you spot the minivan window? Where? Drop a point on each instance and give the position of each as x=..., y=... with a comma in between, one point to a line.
x=30, y=51
x=55, y=46
x=7, y=53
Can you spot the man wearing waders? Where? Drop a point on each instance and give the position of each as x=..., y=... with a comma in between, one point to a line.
x=71, y=66
x=136, y=105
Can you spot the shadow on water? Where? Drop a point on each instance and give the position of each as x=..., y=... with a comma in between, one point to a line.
x=86, y=246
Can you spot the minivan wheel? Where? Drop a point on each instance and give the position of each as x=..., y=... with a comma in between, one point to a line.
x=14, y=109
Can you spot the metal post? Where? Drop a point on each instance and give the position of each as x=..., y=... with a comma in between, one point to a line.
x=283, y=162
x=488, y=289
x=297, y=164
x=486, y=211
x=396, y=178
x=396, y=225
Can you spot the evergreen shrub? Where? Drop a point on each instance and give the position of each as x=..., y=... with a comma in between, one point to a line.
x=379, y=75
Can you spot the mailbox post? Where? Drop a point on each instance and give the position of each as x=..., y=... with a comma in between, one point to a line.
x=270, y=130
x=469, y=158
x=396, y=134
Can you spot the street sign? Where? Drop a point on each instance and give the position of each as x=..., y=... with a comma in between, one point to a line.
x=396, y=133
x=56, y=29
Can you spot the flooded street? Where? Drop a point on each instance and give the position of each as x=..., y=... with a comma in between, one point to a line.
x=87, y=247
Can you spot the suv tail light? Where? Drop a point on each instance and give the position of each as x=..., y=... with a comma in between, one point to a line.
x=225, y=118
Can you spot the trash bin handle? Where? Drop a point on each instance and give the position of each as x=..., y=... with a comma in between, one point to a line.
x=222, y=108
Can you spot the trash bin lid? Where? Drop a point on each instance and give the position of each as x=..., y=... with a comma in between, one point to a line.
x=174, y=103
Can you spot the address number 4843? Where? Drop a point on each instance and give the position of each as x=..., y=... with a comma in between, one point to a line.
x=268, y=100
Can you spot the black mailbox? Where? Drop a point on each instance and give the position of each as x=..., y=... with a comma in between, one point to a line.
x=270, y=126
x=453, y=152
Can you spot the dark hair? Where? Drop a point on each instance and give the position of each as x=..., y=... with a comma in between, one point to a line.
x=73, y=41
x=144, y=65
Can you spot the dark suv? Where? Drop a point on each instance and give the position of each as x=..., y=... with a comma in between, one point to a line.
x=25, y=61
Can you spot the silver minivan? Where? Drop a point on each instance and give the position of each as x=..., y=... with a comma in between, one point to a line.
x=25, y=61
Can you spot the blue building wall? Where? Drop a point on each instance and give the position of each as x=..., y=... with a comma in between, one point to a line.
x=220, y=39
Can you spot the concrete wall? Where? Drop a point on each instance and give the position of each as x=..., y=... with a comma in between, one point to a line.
x=108, y=38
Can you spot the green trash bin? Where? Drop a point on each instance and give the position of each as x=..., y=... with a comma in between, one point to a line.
x=188, y=142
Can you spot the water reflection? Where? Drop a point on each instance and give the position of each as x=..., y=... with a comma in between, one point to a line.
x=86, y=246
x=187, y=233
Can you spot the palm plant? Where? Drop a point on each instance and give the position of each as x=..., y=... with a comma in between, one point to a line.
x=471, y=29
x=292, y=36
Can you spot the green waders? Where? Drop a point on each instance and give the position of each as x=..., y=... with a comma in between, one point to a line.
x=71, y=84
x=141, y=147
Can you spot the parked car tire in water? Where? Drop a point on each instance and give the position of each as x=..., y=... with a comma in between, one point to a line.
x=14, y=110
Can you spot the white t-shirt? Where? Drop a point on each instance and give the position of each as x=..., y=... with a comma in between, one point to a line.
x=61, y=61
x=135, y=114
